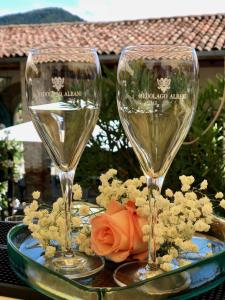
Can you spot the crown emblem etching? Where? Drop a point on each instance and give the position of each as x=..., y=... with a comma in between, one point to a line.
x=58, y=83
x=164, y=84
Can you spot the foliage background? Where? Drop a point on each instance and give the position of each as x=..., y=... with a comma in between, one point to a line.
x=10, y=156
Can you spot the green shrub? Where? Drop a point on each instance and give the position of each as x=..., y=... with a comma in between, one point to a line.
x=204, y=159
x=10, y=155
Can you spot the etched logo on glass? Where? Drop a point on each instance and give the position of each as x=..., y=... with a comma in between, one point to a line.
x=164, y=84
x=58, y=83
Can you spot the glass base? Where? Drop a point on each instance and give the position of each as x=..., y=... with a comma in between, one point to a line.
x=133, y=272
x=75, y=266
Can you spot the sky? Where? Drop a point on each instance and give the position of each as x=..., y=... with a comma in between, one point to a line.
x=111, y=10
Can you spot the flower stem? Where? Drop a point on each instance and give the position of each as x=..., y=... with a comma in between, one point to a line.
x=66, y=180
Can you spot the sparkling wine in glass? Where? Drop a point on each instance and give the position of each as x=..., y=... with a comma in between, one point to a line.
x=157, y=99
x=63, y=98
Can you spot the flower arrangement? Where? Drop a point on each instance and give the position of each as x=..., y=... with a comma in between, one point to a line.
x=120, y=229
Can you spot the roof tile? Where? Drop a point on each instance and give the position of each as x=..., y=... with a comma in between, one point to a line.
x=205, y=33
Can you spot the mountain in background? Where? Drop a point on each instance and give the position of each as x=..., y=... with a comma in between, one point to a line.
x=44, y=15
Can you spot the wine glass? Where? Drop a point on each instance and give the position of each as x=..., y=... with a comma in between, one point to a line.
x=63, y=98
x=157, y=99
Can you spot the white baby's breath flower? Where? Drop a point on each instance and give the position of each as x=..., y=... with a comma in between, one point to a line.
x=160, y=240
x=76, y=221
x=145, y=229
x=171, y=232
x=77, y=192
x=111, y=173
x=84, y=245
x=204, y=200
x=178, y=241
x=143, y=179
x=167, y=258
x=56, y=207
x=185, y=187
x=191, y=179
x=207, y=209
x=42, y=213
x=140, y=201
x=53, y=229
x=183, y=179
x=174, y=220
x=162, y=203
x=184, y=262
x=89, y=251
x=186, y=180
x=60, y=201
x=169, y=193
x=36, y=195
x=143, y=211
x=204, y=185
x=61, y=222
x=222, y=203
x=166, y=267
x=86, y=229
x=176, y=210
x=173, y=252
x=33, y=227
x=209, y=219
x=84, y=210
x=26, y=220
x=43, y=222
x=189, y=246
x=50, y=251
x=104, y=178
x=200, y=225
x=34, y=205
x=178, y=197
x=80, y=238
x=191, y=196
x=219, y=195
x=36, y=235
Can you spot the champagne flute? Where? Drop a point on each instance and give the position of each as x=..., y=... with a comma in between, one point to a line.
x=63, y=98
x=157, y=99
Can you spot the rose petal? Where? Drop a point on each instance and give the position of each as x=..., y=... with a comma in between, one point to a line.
x=114, y=207
x=119, y=256
x=130, y=205
x=123, y=224
x=105, y=223
x=141, y=256
x=117, y=233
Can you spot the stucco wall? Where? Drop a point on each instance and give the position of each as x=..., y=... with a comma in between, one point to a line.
x=209, y=73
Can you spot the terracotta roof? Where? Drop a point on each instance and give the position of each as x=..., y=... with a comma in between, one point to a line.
x=205, y=33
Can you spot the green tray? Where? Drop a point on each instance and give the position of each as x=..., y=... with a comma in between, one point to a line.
x=198, y=277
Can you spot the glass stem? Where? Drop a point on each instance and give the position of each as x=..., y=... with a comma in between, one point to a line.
x=153, y=184
x=66, y=180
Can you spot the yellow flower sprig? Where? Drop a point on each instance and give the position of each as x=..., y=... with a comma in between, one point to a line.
x=179, y=215
x=48, y=225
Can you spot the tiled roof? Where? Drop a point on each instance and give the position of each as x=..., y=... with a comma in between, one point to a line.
x=205, y=33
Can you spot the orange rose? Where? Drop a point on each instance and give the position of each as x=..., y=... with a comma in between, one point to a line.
x=117, y=233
